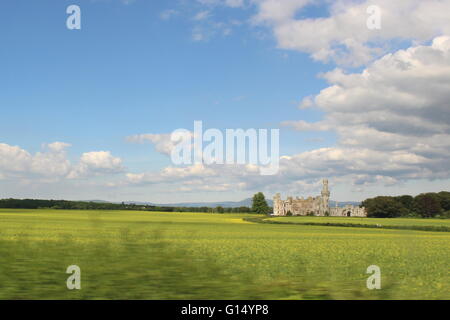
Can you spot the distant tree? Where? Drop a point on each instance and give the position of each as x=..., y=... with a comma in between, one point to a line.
x=382, y=207
x=407, y=202
x=243, y=210
x=428, y=204
x=220, y=209
x=444, y=197
x=260, y=205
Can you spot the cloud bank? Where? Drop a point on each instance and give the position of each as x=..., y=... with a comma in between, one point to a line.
x=392, y=120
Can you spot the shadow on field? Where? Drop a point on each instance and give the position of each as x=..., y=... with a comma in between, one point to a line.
x=146, y=266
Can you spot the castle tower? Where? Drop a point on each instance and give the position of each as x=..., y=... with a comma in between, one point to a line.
x=277, y=206
x=325, y=197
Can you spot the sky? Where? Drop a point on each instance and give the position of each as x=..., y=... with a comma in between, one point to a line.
x=87, y=113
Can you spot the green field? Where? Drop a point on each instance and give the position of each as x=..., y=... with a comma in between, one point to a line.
x=148, y=255
x=440, y=225
x=365, y=221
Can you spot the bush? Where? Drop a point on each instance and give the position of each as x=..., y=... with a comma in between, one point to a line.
x=445, y=215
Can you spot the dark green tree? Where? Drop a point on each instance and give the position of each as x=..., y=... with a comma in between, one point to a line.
x=260, y=205
x=220, y=209
x=383, y=207
x=407, y=202
x=428, y=204
x=444, y=197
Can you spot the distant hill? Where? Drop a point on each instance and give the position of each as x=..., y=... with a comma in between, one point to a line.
x=344, y=203
x=227, y=204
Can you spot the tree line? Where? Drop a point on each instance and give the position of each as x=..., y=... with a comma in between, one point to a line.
x=85, y=205
x=425, y=205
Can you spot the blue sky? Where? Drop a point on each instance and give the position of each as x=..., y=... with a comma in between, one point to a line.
x=152, y=67
x=129, y=71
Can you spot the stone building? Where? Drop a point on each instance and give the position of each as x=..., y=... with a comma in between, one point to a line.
x=317, y=206
x=348, y=211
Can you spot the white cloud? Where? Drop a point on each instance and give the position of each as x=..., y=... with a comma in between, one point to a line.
x=16, y=162
x=13, y=159
x=392, y=119
x=195, y=178
x=278, y=12
x=162, y=142
x=202, y=15
x=58, y=146
x=95, y=163
x=227, y=3
x=343, y=36
x=208, y=29
x=403, y=93
x=207, y=25
x=168, y=14
x=172, y=174
x=52, y=164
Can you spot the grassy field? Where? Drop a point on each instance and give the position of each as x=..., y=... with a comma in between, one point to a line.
x=148, y=255
x=372, y=221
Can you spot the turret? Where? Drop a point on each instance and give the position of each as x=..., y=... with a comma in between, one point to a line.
x=325, y=190
x=277, y=210
x=325, y=197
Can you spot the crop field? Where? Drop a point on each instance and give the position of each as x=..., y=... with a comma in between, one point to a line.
x=152, y=255
x=366, y=221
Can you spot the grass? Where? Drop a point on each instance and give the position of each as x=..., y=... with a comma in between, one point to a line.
x=148, y=255
x=373, y=221
x=437, y=225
